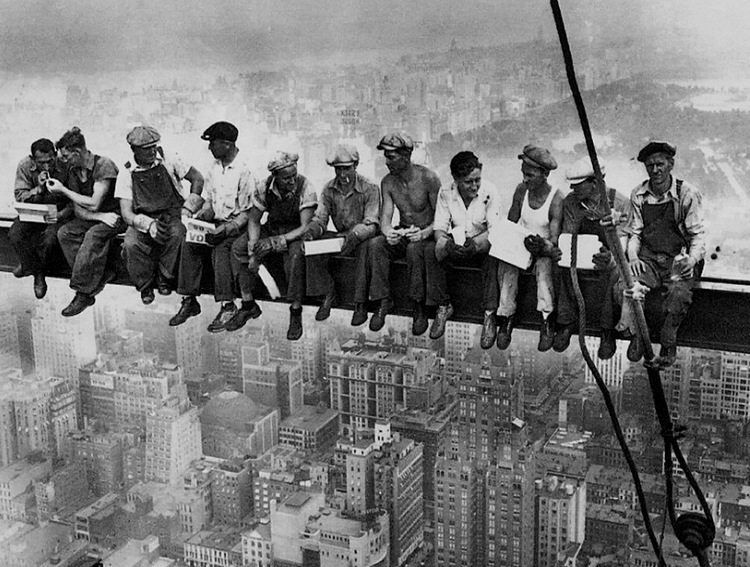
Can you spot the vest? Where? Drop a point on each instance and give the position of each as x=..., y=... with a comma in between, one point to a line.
x=283, y=212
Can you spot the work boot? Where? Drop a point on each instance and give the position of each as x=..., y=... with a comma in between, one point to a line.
x=248, y=310
x=163, y=285
x=419, y=322
x=561, y=341
x=607, y=345
x=223, y=317
x=359, y=317
x=189, y=308
x=546, y=335
x=667, y=356
x=147, y=295
x=505, y=331
x=444, y=313
x=80, y=302
x=40, y=286
x=378, y=318
x=324, y=311
x=635, y=349
x=489, y=330
x=295, y=324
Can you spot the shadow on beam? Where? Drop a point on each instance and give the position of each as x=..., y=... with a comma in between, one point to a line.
x=718, y=319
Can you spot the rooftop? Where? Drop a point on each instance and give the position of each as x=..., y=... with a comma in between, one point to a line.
x=310, y=418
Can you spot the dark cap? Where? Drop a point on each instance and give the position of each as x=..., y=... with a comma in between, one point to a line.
x=343, y=155
x=221, y=131
x=143, y=137
x=538, y=156
x=656, y=147
x=396, y=141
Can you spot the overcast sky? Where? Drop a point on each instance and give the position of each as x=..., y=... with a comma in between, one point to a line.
x=94, y=35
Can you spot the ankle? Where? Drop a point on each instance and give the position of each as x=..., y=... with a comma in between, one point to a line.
x=248, y=304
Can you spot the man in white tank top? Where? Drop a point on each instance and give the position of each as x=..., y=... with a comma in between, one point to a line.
x=538, y=208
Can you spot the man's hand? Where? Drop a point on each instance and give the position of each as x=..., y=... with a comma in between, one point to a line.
x=602, y=258
x=307, y=236
x=637, y=267
x=279, y=243
x=217, y=236
x=54, y=186
x=555, y=253
x=392, y=236
x=350, y=243
x=414, y=234
x=156, y=230
x=612, y=219
x=262, y=247
x=534, y=244
x=686, y=267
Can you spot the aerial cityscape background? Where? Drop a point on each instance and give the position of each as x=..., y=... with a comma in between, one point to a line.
x=124, y=439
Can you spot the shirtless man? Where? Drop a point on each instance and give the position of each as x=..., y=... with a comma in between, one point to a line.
x=413, y=190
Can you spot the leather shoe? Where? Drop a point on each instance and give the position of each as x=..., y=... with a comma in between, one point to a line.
x=243, y=315
x=505, y=332
x=667, y=356
x=189, y=308
x=635, y=349
x=19, y=272
x=359, y=317
x=546, y=335
x=40, y=286
x=489, y=330
x=419, y=321
x=607, y=345
x=561, y=340
x=147, y=295
x=223, y=317
x=163, y=285
x=80, y=302
x=324, y=311
x=444, y=313
x=295, y=324
x=378, y=318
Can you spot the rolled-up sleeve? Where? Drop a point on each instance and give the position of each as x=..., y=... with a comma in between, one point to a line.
x=372, y=205
x=246, y=191
x=258, y=199
x=692, y=204
x=442, y=212
x=309, y=196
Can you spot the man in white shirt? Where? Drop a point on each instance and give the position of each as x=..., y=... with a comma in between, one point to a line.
x=461, y=234
x=151, y=204
x=228, y=193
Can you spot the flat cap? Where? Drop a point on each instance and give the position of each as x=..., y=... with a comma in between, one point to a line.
x=143, y=137
x=538, y=157
x=581, y=171
x=656, y=147
x=280, y=160
x=221, y=131
x=343, y=155
x=396, y=141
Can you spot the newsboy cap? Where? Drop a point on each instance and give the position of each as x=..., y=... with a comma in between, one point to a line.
x=656, y=147
x=143, y=137
x=280, y=160
x=221, y=131
x=581, y=170
x=396, y=141
x=538, y=157
x=343, y=155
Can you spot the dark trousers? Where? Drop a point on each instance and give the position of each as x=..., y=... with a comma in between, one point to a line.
x=289, y=265
x=320, y=281
x=192, y=257
x=480, y=259
x=567, y=306
x=86, y=247
x=144, y=257
x=678, y=294
x=33, y=242
x=422, y=270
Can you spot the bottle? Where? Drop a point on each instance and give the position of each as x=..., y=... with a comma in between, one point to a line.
x=677, y=264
